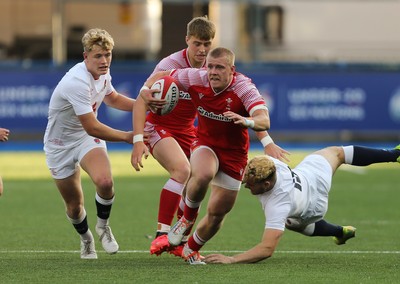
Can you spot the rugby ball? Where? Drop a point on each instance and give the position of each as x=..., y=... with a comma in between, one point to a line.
x=169, y=91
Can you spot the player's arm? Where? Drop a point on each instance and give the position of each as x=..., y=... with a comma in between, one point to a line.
x=138, y=120
x=270, y=148
x=95, y=128
x=258, y=121
x=119, y=101
x=261, y=251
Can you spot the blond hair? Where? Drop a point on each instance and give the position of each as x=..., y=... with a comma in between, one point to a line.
x=202, y=28
x=223, y=52
x=258, y=169
x=97, y=37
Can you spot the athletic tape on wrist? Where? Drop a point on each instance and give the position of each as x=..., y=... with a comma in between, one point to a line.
x=266, y=141
x=137, y=138
x=249, y=123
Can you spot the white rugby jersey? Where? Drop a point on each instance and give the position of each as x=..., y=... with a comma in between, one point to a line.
x=76, y=94
x=286, y=199
x=300, y=194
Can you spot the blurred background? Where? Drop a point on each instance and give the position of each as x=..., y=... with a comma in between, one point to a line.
x=328, y=69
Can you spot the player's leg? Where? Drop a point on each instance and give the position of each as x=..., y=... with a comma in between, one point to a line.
x=322, y=228
x=358, y=155
x=71, y=191
x=172, y=158
x=204, y=166
x=364, y=156
x=220, y=203
x=66, y=174
x=97, y=165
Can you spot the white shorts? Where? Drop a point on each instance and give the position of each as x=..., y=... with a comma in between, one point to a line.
x=315, y=173
x=62, y=163
x=221, y=179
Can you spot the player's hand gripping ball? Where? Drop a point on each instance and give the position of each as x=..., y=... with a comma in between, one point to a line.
x=169, y=91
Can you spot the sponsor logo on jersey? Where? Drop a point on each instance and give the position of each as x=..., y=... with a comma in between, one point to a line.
x=212, y=115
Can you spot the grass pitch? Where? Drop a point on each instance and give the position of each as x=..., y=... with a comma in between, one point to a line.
x=39, y=245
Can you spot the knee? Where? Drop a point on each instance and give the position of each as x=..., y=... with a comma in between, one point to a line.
x=181, y=173
x=294, y=225
x=104, y=184
x=74, y=209
x=203, y=179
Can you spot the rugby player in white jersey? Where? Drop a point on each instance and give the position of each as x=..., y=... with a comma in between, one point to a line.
x=298, y=199
x=227, y=104
x=74, y=138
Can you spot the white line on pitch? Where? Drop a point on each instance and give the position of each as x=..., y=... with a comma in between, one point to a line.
x=210, y=251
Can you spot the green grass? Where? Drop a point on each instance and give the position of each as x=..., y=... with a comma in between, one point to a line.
x=39, y=245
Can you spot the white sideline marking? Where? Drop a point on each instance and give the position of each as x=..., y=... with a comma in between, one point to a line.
x=211, y=251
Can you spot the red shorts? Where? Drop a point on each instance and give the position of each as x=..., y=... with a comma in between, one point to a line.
x=231, y=161
x=184, y=137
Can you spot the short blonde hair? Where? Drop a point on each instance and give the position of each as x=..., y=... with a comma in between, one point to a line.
x=258, y=169
x=97, y=37
x=223, y=52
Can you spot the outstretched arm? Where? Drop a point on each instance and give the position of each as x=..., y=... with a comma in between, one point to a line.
x=270, y=148
x=119, y=101
x=262, y=251
x=139, y=148
x=95, y=128
x=259, y=120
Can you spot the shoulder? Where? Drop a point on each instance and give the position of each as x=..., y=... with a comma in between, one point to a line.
x=247, y=92
x=280, y=166
x=76, y=78
x=243, y=84
x=78, y=73
x=174, y=61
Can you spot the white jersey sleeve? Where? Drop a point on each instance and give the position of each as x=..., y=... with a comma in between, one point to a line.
x=276, y=203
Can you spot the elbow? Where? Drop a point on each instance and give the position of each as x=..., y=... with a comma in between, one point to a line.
x=265, y=253
x=261, y=258
x=92, y=131
x=264, y=126
x=262, y=255
x=267, y=125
